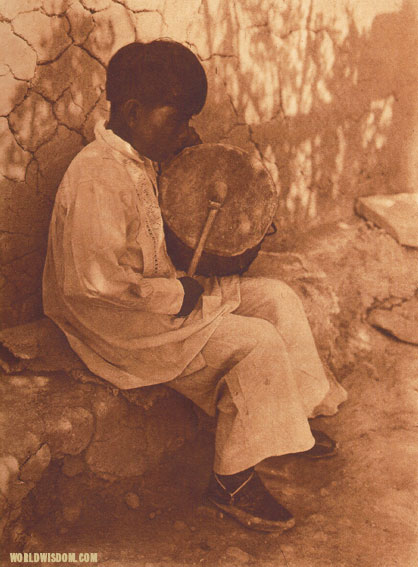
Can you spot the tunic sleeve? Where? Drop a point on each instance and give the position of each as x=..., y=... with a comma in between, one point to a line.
x=95, y=227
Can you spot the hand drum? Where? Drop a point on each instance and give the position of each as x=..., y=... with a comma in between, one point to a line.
x=187, y=188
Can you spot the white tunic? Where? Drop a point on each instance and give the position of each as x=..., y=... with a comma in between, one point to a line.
x=108, y=281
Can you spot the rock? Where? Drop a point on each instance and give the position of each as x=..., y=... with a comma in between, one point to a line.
x=332, y=529
x=38, y=346
x=317, y=518
x=72, y=512
x=397, y=214
x=204, y=546
x=16, y=53
x=69, y=429
x=400, y=321
x=52, y=416
x=33, y=469
x=180, y=526
x=3, y=509
x=132, y=500
x=238, y=554
x=73, y=465
x=287, y=548
x=133, y=445
x=319, y=536
x=207, y=511
x=48, y=35
x=9, y=468
x=121, y=454
x=33, y=121
x=17, y=535
x=58, y=411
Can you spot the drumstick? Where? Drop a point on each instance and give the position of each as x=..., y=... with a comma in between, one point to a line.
x=220, y=190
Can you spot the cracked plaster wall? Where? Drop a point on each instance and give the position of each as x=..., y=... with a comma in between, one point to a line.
x=324, y=91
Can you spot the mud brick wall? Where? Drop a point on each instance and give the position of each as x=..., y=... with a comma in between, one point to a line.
x=325, y=92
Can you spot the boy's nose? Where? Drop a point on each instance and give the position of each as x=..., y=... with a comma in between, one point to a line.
x=193, y=136
x=189, y=137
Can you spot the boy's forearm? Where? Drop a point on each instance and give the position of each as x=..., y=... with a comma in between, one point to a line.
x=159, y=295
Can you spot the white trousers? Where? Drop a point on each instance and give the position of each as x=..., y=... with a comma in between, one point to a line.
x=263, y=378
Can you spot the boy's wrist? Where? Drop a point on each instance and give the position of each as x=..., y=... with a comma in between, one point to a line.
x=192, y=292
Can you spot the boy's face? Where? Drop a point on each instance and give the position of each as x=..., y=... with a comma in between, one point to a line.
x=161, y=132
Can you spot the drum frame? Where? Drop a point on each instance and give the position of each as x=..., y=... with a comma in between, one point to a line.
x=209, y=264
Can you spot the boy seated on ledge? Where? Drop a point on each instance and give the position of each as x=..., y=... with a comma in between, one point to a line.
x=239, y=347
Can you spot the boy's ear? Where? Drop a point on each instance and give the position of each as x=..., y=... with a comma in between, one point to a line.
x=131, y=110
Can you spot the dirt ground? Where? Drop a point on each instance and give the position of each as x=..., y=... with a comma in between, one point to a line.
x=357, y=509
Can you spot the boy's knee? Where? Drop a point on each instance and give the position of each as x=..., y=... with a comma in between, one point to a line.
x=278, y=294
x=264, y=332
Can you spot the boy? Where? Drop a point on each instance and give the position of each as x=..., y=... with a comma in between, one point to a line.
x=240, y=348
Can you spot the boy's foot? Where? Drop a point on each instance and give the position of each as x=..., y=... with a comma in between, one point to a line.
x=250, y=504
x=324, y=446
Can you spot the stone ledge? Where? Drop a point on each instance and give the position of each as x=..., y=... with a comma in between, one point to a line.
x=54, y=410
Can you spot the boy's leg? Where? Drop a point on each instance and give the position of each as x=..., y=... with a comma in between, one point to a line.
x=263, y=378
x=276, y=302
x=249, y=384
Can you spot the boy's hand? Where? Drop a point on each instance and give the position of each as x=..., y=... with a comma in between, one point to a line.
x=192, y=292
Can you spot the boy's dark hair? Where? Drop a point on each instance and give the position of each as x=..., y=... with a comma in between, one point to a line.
x=162, y=72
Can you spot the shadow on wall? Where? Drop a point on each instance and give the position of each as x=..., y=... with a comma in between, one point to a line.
x=326, y=103
x=329, y=106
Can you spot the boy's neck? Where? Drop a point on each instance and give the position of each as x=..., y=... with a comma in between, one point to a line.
x=118, y=127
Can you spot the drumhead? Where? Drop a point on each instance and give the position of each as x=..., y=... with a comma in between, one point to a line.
x=187, y=186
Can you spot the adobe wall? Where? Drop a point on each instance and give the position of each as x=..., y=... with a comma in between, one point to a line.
x=324, y=91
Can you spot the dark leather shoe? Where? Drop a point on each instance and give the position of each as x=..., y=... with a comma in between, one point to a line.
x=251, y=504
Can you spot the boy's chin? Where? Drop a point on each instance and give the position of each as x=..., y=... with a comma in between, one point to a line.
x=167, y=157
x=157, y=156
x=164, y=158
